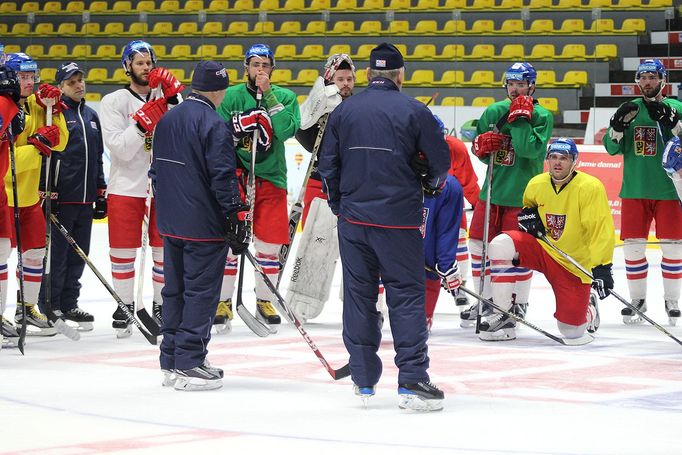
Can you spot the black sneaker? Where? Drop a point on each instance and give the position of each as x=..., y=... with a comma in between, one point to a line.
x=422, y=396
x=203, y=377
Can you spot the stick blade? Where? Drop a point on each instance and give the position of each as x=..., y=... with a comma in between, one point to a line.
x=148, y=322
x=66, y=330
x=256, y=326
x=342, y=372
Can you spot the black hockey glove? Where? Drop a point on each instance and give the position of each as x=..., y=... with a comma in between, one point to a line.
x=665, y=115
x=18, y=123
x=419, y=164
x=238, y=234
x=623, y=116
x=530, y=222
x=100, y=211
x=602, y=280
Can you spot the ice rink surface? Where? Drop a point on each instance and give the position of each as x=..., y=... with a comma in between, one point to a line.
x=621, y=394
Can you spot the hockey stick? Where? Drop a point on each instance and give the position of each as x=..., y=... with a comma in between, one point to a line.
x=622, y=300
x=149, y=328
x=342, y=372
x=565, y=341
x=664, y=242
x=256, y=325
x=432, y=99
x=61, y=326
x=297, y=209
x=17, y=229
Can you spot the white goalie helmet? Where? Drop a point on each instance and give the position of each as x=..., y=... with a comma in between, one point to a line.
x=336, y=62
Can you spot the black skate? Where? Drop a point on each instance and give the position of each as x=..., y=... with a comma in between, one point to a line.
x=223, y=317
x=422, y=396
x=519, y=310
x=37, y=323
x=82, y=318
x=498, y=327
x=593, y=318
x=10, y=336
x=123, y=325
x=266, y=313
x=468, y=317
x=364, y=392
x=461, y=299
x=157, y=311
x=203, y=377
x=630, y=316
x=673, y=311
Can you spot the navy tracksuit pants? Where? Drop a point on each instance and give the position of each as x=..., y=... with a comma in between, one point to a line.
x=66, y=267
x=193, y=273
x=397, y=256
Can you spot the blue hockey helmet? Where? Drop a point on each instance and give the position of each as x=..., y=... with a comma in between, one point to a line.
x=136, y=47
x=672, y=156
x=441, y=125
x=521, y=71
x=651, y=65
x=563, y=146
x=21, y=62
x=261, y=50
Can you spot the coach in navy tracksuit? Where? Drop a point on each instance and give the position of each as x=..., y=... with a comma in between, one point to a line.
x=78, y=184
x=197, y=203
x=366, y=168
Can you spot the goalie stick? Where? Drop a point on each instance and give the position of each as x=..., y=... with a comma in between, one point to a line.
x=342, y=372
x=622, y=300
x=149, y=327
x=297, y=208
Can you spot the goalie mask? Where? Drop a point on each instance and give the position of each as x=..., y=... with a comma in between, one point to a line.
x=337, y=62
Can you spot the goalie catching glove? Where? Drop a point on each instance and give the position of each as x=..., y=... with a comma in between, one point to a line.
x=149, y=114
x=530, y=222
x=451, y=279
x=255, y=119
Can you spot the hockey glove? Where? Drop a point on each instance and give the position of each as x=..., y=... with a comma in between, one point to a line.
x=149, y=114
x=487, y=143
x=602, y=280
x=100, y=211
x=530, y=222
x=238, y=236
x=54, y=201
x=170, y=85
x=672, y=156
x=451, y=279
x=665, y=115
x=255, y=119
x=621, y=120
x=44, y=139
x=419, y=164
x=520, y=107
x=49, y=92
x=18, y=123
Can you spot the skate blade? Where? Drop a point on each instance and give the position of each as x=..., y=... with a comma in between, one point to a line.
x=672, y=321
x=222, y=329
x=124, y=333
x=169, y=380
x=11, y=342
x=466, y=324
x=500, y=335
x=419, y=404
x=80, y=326
x=195, y=384
x=632, y=320
x=33, y=331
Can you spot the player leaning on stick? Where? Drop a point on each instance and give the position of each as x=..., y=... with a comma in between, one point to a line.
x=517, y=152
x=639, y=130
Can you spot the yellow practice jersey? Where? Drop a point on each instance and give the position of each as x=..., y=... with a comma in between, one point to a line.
x=28, y=159
x=577, y=218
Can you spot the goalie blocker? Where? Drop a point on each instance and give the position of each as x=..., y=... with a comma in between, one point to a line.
x=314, y=263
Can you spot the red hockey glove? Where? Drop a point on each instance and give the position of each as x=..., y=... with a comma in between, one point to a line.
x=44, y=139
x=451, y=279
x=521, y=107
x=247, y=122
x=487, y=143
x=46, y=92
x=170, y=85
x=150, y=113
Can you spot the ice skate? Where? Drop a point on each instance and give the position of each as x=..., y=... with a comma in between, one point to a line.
x=468, y=317
x=266, y=313
x=673, y=311
x=83, y=319
x=364, y=392
x=422, y=396
x=10, y=335
x=157, y=312
x=461, y=299
x=629, y=316
x=36, y=323
x=593, y=318
x=203, y=377
x=498, y=327
x=223, y=317
x=123, y=325
x=169, y=378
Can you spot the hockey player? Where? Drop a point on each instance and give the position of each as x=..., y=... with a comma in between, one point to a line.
x=36, y=141
x=78, y=183
x=270, y=212
x=517, y=147
x=128, y=118
x=11, y=121
x=572, y=209
x=672, y=163
x=194, y=156
x=639, y=131
x=365, y=164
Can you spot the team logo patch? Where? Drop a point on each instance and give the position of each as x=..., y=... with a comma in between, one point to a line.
x=505, y=155
x=555, y=225
x=380, y=63
x=425, y=217
x=645, y=140
x=93, y=124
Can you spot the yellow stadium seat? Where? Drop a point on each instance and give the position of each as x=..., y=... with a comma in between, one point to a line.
x=73, y=6
x=541, y=27
x=118, y=76
x=510, y=4
x=343, y=28
x=67, y=29
x=574, y=78
x=372, y=5
x=243, y=5
x=397, y=5
x=161, y=52
x=569, y=4
x=300, y=99
x=604, y=52
x=339, y=49
x=93, y=96
x=452, y=101
x=426, y=27
x=207, y=51
x=187, y=29
x=181, y=52
x=599, y=4
x=8, y=7
x=263, y=28
x=420, y=78
x=312, y=52
x=12, y=48
x=426, y=5
x=36, y=51
x=106, y=52
x=450, y=78
x=285, y=52
x=320, y=5
x=315, y=28
x=91, y=29
x=3, y=30
x=482, y=52
x=22, y=29
x=482, y=101
x=572, y=27
x=551, y=104
x=289, y=28
x=44, y=29
x=233, y=52
x=179, y=73
x=602, y=26
x=481, y=78
x=512, y=52
x=169, y=6
x=483, y=4
x=218, y=6
x=114, y=29
x=369, y=28
x=423, y=99
x=633, y=26
x=453, y=27
x=511, y=27
x=398, y=28
x=48, y=75
x=294, y=5
x=402, y=48
x=138, y=29
x=30, y=7
x=237, y=28
x=454, y=4
x=52, y=7
x=162, y=29
x=212, y=28
x=423, y=52
x=345, y=5
x=305, y=77
x=192, y=6
x=542, y=52
x=97, y=76
x=281, y=76
x=81, y=51
x=233, y=75
x=363, y=51
x=540, y=4
x=126, y=7
x=57, y=52
x=546, y=79
x=146, y=5
x=361, y=77
x=572, y=52
x=452, y=52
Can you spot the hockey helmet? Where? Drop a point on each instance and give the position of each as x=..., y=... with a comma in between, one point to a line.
x=9, y=83
x=441, y=125
x=136, y=47
x=468, y=130
x=521, y=71
x=651, y=65
x=337, y=62
x=563, y=146
x=672, y=156
x=261, y=50
x=21, y=62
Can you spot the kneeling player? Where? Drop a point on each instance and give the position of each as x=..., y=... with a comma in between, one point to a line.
x=572, y=209
x=672, y=163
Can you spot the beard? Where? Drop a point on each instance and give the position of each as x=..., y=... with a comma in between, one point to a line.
x=138, y=80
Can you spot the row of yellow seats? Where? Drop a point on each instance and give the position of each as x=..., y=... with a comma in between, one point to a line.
x=193, y=6
x=630, y=26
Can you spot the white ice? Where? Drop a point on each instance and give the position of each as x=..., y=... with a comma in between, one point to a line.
x=622, y=394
